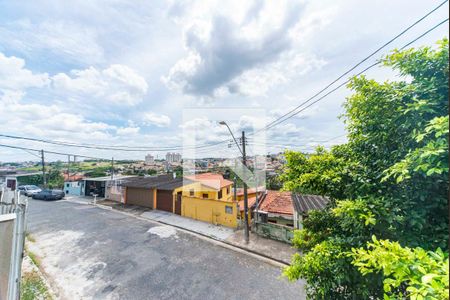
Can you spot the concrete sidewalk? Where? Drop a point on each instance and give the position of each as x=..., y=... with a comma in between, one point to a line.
x=279, y=251
x=216, y=232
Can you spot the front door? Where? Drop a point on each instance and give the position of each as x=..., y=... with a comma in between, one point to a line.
x=178, y=203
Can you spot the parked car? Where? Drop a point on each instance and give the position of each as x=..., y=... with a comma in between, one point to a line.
x=28, y=190
x=49, y=195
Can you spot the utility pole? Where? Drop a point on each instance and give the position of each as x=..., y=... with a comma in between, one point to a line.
x=43, y=169
x=256, y=202
x=68, y=167
x=244, y=162
x=112, y=168
x=235, y=188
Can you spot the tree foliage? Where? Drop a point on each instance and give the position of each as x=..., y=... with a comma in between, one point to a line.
x=390, y=180
x=413, y=273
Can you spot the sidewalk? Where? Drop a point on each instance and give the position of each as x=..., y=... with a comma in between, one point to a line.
x=275, y=250
x=263, y=246
x=216, y=232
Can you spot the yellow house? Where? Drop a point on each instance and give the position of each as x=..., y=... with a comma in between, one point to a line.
x=209, y=198
x=251, y=192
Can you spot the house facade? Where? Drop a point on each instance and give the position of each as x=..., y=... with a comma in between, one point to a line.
x=279, y=213
x=209, y=198
x=274, y=216
x=206, y=197
x=75, y=188
x=303, y=204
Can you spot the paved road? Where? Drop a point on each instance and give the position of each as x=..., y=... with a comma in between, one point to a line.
x=92, y=253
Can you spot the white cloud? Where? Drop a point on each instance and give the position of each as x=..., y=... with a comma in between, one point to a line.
x=47, y=120
x=14, y=75
x=72, y=41
x=159, y=120
x=223, y=48
x=127, y=130
x=258, y=81
x=116, y=85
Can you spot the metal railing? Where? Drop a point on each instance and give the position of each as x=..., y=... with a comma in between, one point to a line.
x=13, y=208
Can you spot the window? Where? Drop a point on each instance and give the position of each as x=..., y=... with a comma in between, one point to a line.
x=67, y=184
x=228, y=209
x=191, y=193
x=228, y=190
x=220, y=194
x=205, y=196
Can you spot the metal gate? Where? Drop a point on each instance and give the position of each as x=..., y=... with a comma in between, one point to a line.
x=13, y=209
x=178, y=203
x=164, y=200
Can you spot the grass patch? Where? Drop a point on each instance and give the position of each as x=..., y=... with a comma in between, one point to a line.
x=30, y=237
x=34, y=258
x=33, y=287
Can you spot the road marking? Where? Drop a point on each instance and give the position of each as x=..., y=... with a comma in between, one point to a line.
x=163, y=231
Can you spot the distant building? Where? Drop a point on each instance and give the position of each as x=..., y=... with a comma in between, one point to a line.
x=173, y=157
x=149, y=159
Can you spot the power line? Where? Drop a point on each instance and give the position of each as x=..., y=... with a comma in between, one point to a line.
x=103, y=147
x=272, y=124
x=31, y=153
x=294, y=112
x=360, y=62
x=52, y=152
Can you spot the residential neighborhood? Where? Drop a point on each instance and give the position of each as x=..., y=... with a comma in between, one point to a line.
x=224, y=150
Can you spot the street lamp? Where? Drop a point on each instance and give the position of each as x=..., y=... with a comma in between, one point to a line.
x=244, y=162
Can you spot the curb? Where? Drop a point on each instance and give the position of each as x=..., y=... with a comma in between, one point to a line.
x=225, y=242
x=274, y=261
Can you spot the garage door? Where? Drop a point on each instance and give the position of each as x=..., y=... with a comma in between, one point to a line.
x=141, y=197
x=164, y=200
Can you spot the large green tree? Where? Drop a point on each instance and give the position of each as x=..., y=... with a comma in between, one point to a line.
x=390, y=180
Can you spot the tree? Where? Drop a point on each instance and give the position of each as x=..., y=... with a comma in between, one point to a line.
x=390, y=180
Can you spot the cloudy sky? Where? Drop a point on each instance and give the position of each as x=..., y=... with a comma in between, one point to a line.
x=147, y=73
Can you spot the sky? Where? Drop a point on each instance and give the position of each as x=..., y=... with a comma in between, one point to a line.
x=151, y=73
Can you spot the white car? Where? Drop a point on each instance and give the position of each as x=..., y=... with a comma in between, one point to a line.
x=29, y=190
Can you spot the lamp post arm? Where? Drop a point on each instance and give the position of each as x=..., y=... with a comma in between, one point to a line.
x=237, y=144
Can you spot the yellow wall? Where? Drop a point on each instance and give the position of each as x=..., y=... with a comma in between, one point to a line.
x=200, y=189
x=241, y=215
x=249, y=195
x=211, y=211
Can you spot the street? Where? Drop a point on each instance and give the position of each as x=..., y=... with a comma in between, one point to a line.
x=91, y=253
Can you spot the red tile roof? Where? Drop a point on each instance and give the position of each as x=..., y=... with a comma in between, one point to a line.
x=277, y=202
x=72, y=177
x=213, y=180
x=240, y=191
x=251, y=202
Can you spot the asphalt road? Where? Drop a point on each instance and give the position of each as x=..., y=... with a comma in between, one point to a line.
x=92, y=253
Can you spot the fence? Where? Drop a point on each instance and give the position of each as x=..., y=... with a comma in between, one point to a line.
x=13, y=210
x=276, y=232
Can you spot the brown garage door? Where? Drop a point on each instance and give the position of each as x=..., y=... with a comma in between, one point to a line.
x=141, y=197
x=164, y=200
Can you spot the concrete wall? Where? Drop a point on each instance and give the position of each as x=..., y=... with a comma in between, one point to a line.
x=75, y=188
x=115, y=193
x=276, y=232
x=212, y=211
x=298, y=220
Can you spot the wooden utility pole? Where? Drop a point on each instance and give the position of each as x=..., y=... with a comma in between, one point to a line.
x=244, y=162
x=68, y=167
x=235, y=188
x=112, y=168
x=43, y=170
